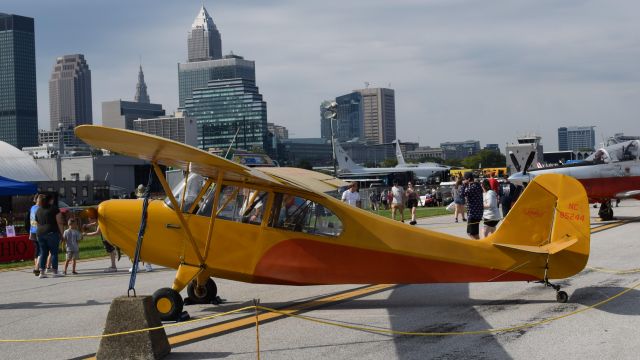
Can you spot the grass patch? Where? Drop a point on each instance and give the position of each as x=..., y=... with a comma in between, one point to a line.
x=421, y=212
x=90, y=247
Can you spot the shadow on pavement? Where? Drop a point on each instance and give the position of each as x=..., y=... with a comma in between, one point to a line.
x=626, y=304
x=440, y=308
x=46, y=305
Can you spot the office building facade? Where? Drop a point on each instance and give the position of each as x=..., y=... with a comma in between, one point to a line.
x=121, y=114
x=379, y=115
x=196, y=75
x=576, y=138
x=18, y=100
x=226, y=107
x=459, y=149
x=70, y=92
x=349, y=117
x=204, y=38
x=177, y=127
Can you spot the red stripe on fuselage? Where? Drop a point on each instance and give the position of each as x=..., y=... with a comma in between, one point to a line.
x=307, y=262
x=599, y=189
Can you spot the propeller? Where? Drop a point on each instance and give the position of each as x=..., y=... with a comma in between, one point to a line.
x=514, y=160
x=528, y=163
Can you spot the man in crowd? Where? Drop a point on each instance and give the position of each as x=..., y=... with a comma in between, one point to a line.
x=351, y=196
x=472, y=192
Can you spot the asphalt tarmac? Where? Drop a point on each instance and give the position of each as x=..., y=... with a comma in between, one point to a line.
x=77, y=305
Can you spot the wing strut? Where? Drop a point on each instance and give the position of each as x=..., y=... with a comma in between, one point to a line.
x=216, y=195
x=178, y=212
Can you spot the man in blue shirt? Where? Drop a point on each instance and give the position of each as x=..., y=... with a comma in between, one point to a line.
x=472, y=191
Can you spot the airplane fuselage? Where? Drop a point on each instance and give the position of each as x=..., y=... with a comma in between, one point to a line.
x=601, y=181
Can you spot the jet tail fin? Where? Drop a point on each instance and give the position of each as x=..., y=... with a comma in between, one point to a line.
x=399, y=156
x=344, y=161
x=550, y=217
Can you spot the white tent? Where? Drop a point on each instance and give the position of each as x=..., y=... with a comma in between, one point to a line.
x=16, y=165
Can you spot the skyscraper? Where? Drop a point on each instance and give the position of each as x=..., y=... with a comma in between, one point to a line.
x=195, y=75
x=70, y=92
x=226, y=107
x=576, y=138
x=204, y=38
x=379, y=115
x=141, y=89
x=18, y=100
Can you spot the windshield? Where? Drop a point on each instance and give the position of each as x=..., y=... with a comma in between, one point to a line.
x=194, y=183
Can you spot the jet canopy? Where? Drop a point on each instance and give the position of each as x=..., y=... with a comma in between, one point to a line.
x=624, y=151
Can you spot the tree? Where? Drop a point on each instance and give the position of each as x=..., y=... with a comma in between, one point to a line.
x=485, y=159
x=391, y=162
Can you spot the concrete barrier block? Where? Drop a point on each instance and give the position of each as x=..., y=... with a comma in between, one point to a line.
x=132, y=313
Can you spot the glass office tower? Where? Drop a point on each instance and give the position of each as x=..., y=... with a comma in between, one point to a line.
x=226, y=107
x=18, y=100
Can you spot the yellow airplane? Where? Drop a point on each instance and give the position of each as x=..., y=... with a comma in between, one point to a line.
x=278, y=226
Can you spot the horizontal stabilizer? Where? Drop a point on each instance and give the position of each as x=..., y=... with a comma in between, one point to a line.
x=551, y=248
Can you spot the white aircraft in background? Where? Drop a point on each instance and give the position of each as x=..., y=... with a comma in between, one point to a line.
x=609, y=173
x=402, y=163
x=347, y=167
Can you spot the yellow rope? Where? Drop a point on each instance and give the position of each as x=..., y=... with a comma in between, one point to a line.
x=332, y=323
x=476, y=332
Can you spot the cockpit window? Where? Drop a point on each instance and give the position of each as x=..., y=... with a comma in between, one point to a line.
x=236, y=204
x=299, y=214
x=194, y=183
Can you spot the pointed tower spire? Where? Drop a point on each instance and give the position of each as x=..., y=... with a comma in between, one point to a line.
x=141, y=89
x=204, y=38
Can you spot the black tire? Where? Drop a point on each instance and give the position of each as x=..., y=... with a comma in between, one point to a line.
x=168, y=303
x=562, y=297
x=206, y=295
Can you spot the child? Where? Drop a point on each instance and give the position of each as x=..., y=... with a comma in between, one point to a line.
x=71, y=237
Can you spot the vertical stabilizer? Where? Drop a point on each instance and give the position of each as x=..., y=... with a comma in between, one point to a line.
x=399, y=153
x=345, y=164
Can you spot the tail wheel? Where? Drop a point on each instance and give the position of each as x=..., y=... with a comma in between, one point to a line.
x=202, y=294
x=169, y=304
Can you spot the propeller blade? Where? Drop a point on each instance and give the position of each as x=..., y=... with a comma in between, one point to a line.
x=529, y=161
x=515, y=162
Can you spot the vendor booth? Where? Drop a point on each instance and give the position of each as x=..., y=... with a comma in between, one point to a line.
x=14, y=247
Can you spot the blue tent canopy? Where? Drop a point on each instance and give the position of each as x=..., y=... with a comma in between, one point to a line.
x=10, y=187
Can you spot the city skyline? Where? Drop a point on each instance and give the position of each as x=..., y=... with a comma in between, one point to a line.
x=461, y=69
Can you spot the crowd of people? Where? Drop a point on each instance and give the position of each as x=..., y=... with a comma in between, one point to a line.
x=475, y=202
x=50, y=231
x=482, y=200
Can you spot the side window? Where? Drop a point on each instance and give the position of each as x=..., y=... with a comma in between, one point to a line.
x=236, y=204
x=299, y=214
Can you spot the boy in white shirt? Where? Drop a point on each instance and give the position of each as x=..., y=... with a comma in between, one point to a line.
x=351, y=196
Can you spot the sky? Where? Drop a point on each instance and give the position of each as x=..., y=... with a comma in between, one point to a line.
x=488, y=70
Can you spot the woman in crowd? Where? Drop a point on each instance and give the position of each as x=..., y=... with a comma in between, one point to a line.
x=49, y=232
x=491, y=215
x=458, y=200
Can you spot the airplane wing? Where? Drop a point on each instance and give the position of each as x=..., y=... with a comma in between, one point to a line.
x=308, y=179
x=171, y=153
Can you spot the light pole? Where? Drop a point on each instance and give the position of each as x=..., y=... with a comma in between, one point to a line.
x=60, y=150
x=331, y=113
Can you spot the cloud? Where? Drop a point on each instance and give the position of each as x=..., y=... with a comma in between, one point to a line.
x=461, y=69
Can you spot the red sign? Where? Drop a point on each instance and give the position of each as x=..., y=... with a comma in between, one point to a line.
x=16, y=248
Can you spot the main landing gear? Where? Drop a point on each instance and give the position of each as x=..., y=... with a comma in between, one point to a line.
x=606, y=211
x=170, y=304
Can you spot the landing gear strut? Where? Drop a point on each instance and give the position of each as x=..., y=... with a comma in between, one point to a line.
x=561, y=296
x=606, y=211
